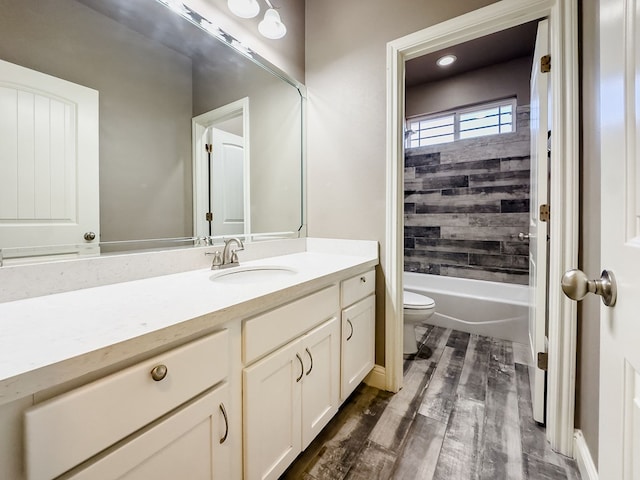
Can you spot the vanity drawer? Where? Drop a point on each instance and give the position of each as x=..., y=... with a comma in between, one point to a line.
x=69, y=429
x=265, y=333
x=358, y=287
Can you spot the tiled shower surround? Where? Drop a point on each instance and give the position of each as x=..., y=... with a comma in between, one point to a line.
x=465, y=203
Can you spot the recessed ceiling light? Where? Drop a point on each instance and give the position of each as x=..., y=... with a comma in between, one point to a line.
x=446, y=60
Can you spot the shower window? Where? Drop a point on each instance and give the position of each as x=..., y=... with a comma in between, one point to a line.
x=477, y=121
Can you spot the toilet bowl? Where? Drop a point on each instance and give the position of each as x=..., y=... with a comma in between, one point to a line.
x=417, y=309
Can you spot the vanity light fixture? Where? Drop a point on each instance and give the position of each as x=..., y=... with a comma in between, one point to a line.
x=446, y=60
x=244, y=8
x=271, y=25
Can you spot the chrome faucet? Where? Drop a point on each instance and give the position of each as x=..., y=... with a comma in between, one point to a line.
x=229, y=255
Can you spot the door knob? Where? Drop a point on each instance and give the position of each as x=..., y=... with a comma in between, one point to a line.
x=576, y=286
x=89, y=236
x=523, y=236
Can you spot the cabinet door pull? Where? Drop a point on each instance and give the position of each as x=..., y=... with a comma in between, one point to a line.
x=363, y=279
x=159, y=372
x=310, y=358
x=350, y=325
x=226, y=423
x=301, y=368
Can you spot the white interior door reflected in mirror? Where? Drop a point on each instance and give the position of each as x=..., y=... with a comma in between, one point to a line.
x=221, y=191
x=49, y=192
x=227, y=183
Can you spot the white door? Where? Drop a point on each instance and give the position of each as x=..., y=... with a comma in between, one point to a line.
x=49, y=192
x=227, y=183
x=538, y=228
x=619, y=450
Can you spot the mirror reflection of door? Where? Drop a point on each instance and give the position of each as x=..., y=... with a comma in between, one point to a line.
x=221, y=171
x=226, y=192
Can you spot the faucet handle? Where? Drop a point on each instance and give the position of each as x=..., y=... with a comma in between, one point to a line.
x=234, y=255
x=217, y=259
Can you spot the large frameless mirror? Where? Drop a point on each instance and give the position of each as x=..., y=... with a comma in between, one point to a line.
x=129, y=125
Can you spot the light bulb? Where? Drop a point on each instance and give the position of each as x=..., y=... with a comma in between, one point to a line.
x=446, y=60
x=272, y=27
x=244, y=8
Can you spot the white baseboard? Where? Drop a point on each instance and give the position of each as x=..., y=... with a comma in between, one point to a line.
x=585, y=463
x=377, y=378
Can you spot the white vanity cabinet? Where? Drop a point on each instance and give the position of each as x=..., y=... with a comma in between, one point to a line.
x=292, y=393
x=162, y=418
x=191, y=443
x=358, y=330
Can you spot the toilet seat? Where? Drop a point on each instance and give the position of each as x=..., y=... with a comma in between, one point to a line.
x=416, y=301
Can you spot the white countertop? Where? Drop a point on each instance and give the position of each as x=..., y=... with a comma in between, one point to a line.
x=47, y=340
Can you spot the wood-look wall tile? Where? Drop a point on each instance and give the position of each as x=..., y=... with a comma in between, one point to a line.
x=515, y=163
x=516, y=247
x=415, y=159
x=498, y=233
x=425, y=232
x=490, y=207
x=452, y=258
x=450, y=169
x=489, y=191
x=433, y=183
x=510, y=206
x=518, y=177
x=485, y=273
x=512, y=262
x=436, y=220
x=501, y=219
x=456, y=245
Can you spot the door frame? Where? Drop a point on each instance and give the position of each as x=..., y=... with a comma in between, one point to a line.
x=563, y=248
x=199, y=126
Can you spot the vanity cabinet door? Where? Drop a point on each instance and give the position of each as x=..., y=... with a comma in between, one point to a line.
x=321, y=382
x=358, y=343
x=191, y=443
x=272, y=412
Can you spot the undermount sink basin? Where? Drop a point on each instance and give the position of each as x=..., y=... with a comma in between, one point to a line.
x=252, y=274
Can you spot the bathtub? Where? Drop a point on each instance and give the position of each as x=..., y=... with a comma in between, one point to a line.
x=476, y=306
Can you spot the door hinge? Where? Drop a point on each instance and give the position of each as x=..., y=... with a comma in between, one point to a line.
x=543, y=360
x=209, y=216
x=545, y=213
x=545, y=64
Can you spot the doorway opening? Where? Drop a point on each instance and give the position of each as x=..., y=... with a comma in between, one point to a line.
x=563, y=246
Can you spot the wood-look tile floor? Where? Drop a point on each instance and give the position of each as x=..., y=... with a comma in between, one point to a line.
x=464, y=413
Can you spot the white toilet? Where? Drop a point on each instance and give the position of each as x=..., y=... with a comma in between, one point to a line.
x=417, y=309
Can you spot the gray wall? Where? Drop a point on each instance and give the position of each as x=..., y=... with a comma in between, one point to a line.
x=465, y=203
x=588, y=373
x=499, y=81
x=145, y=124
x=346, y=80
